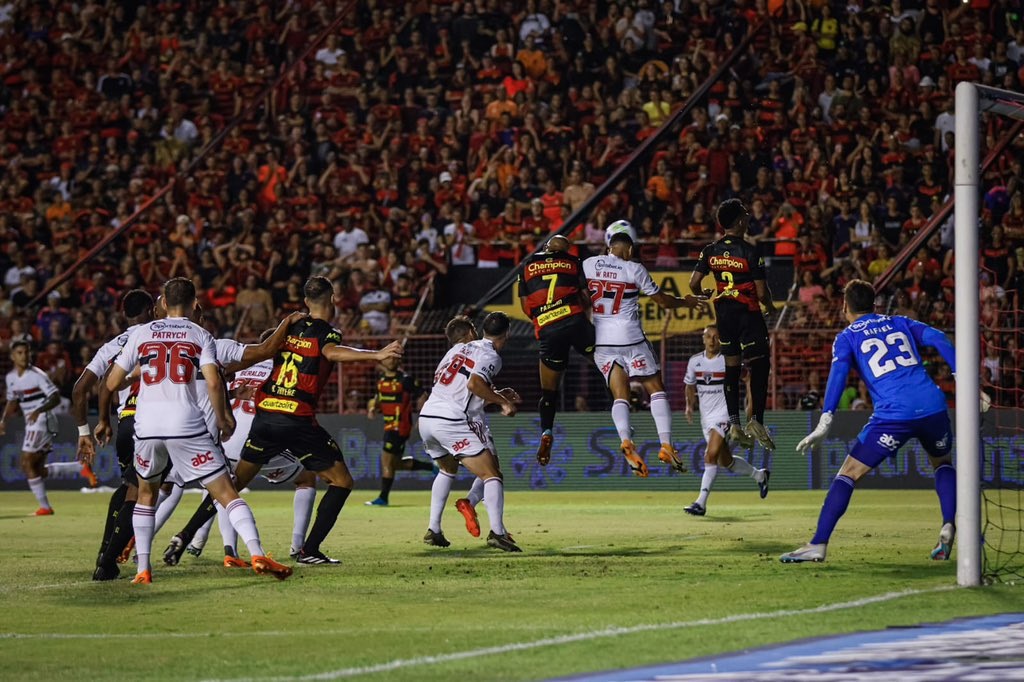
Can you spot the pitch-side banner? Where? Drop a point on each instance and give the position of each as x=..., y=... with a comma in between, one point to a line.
x=678, y=321
x=586, y=454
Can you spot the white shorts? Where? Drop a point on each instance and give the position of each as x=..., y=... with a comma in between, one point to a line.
x=194, y=458
x=721, y=428
x=282, y=468
x=39, y=435
x=638, y=360
x=457, y=438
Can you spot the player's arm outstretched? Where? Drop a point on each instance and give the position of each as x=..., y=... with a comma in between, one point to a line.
x=258, y=352
x=339, y=353
x=842, y=361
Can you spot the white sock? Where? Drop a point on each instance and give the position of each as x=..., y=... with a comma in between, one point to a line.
x=303, y=508
x=620, y=415
x=143, y=519
x=494, y=500
x=166, y=506
x=439, y=492
x=55, y=467
x=476, y=492
x=706, y=482
x=662, y=414
x=228, y=534
x=243, y=521
x=199, y=539
x=38, y=488
x=744, y=468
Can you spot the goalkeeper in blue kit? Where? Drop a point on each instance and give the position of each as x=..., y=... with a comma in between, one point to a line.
x=907, y=404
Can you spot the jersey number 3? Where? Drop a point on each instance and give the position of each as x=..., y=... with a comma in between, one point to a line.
x=879, y=349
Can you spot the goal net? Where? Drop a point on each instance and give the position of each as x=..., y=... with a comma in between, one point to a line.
x=989, y=318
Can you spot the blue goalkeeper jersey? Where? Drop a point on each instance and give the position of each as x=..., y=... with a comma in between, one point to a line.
x=885, y=351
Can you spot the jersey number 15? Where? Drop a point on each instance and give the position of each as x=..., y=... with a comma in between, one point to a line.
x=879, y=364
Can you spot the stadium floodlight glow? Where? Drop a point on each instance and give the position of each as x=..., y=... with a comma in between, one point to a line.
x=971, y=100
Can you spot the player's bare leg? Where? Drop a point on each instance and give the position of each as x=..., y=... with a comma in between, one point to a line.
x=339, y=487
x=549, y=382
x=34, y=466
x=945, y=488
x=836, y=502
x=223, y=491
x=448, y=468
x=618, y=383
x=485, y=466
x=662, y=414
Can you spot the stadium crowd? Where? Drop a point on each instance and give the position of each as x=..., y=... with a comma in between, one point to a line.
x=424, y=136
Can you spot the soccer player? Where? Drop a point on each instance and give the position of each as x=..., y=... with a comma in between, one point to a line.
x=398, y=396
x=907, y=404
x=705, y=375
x=29, y=388
x=137, y=306
x=739, y=274
x=622, y=350
x=553, y=294
x=454, y=431
x=170, y=425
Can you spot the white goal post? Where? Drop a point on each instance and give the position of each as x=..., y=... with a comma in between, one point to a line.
x=971, y=100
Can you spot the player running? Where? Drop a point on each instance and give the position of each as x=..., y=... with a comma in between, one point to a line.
x=622, y=351
x=29, y=388
x=739, y=274
x=553, y=294
x=454, y=431
x=170, y=425
x=705, y=374
x=908, y=404
x=399, y=395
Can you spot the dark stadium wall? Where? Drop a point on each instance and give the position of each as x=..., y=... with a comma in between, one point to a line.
x=586, y=455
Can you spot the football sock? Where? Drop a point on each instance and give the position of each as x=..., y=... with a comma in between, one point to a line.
x=55, y=467
x=143, y=519
x=836, y=502
x=439, y=492
x=744, y=468
x=385, y=487
x=326, y=516
x=760, y=369
x=166, y=505
x=228, y=534
x=302, y=506
x=113, y=507
x=732, y=392
x=243, y=522
x=662, y=414
x=706, y=483
x=945, y=486
x=422, y=465
x=199, y=540
x=620, y=415
x=38, y=489
x=476, y=492
x=494, y=500
x=206, y=511
x=547, y=407
x=123, y=531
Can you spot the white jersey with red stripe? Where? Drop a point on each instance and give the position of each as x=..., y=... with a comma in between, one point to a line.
x=615, y=288
x=171, y=353
x=708, y=375
x=450, y=398
x=244, y=410
x=229, y=352
x=30, y=390
x=104, y=358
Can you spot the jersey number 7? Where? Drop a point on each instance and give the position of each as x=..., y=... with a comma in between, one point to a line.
x=599, y=289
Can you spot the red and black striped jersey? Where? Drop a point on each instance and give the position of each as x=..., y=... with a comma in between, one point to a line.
x=300, y=371
x=396, y=400
x=736, y=265
x=554, y=288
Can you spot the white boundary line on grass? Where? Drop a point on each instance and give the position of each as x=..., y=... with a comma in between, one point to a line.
x=400, y=663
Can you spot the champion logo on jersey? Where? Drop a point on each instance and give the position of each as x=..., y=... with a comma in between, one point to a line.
x=888, y=442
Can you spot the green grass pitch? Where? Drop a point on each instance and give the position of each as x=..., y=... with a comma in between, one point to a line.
x=591, y=561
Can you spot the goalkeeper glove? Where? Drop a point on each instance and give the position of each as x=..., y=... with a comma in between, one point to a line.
x=817, y=435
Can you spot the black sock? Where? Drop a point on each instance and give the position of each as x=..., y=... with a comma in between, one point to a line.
x=759, y=371
x=548, y=405
x=206, y=511
x=113, y=509
x=385, y=487
x=326, y=516
x=229, y=551
x=732, y=392
x=123, y=532
x=421, y=465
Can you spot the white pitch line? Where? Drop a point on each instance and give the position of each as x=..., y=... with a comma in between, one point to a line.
x=400, y=663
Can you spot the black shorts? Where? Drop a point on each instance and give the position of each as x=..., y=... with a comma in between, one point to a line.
x=394, y=444
x=125, y=445
x=555, y=343
x=742, y=331
x=305, y=439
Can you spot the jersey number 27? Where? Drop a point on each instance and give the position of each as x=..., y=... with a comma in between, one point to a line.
x=879, y=349
x=599, y=289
